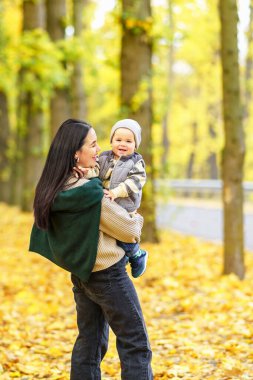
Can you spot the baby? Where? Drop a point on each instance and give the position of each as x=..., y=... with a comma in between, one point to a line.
x=122, y=171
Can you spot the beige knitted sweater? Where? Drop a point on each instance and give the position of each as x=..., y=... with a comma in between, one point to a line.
x=115, y=223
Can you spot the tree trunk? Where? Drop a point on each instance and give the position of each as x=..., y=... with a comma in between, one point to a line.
x=212, y=160
x=233, y=153
x=33, y=14
x=29, y=139
x=165, y=144
x=33, y=146
x=136, y=93
x=60, y=102
x=213, y=170
x=78, y=95
x=249, y=66
x=190, y=166
x=166, y=117
x=4, y=140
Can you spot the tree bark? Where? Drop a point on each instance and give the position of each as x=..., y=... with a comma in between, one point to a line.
x=4, y=140
x=60, y=102
x=190, y=166
x=30, y=123
x=136, y=93
x=33, y=18
x=212, y=160
x=78, y=95
x=249, y=66
x=234, y=150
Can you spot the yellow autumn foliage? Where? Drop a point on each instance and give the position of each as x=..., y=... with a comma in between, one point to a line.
x=200, y=323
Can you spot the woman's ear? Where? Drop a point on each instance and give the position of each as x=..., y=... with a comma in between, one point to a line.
x=76, y=158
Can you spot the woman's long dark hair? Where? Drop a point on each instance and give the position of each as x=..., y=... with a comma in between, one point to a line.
x=58, y=167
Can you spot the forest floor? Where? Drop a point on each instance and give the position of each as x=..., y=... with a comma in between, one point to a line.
x=199, y=322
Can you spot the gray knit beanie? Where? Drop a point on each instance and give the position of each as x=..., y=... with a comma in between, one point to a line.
x=129, y=124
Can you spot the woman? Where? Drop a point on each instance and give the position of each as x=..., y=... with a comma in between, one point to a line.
x=76, y=228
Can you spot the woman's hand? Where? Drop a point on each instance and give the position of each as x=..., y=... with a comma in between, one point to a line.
x=109, y=194
x=79, y=171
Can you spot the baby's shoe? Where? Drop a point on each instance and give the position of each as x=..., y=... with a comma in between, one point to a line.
x=138, y=263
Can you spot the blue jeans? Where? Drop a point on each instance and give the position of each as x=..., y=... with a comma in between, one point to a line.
x=130, y=249
x=109, y=299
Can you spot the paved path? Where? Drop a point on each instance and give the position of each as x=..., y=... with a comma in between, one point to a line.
x=200, y=219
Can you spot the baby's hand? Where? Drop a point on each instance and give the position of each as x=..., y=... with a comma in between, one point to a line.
x=79, y=172
x=108, y=194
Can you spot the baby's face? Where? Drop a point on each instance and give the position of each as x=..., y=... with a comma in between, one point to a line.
x=123, y=142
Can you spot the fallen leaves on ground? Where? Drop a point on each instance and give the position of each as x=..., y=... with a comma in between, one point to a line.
x=199, y=322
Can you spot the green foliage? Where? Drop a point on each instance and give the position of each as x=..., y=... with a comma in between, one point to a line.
x=7, y=65
x=137, y=26
x=196, y=94
x=101, y=72
x=141, y=95
x=71, y=49
x=193, y=96
x=40, y=61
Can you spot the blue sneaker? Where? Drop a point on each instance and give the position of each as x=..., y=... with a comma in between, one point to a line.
x=138, y=263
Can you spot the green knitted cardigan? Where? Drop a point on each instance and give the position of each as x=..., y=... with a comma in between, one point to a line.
x=71, y=239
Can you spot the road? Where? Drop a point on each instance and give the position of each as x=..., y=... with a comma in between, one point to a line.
x=200, y=219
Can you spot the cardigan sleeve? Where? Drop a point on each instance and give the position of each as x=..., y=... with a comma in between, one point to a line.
x=116, y=222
